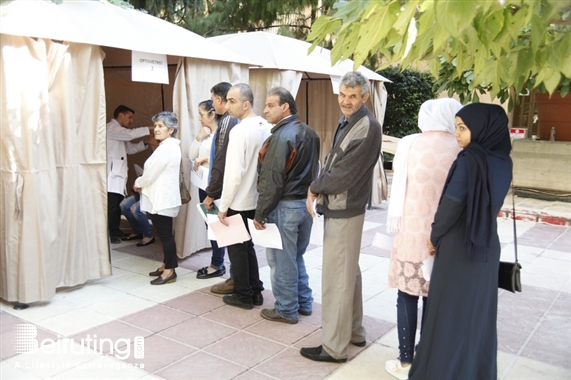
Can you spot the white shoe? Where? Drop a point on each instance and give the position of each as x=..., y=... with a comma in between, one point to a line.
x=396, y=369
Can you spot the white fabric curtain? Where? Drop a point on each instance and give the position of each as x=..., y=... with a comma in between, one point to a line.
x=53, y=209
x=380, y=184
x=262, y=80
x=194, y=79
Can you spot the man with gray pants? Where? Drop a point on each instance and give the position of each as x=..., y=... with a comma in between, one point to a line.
x=342, y=191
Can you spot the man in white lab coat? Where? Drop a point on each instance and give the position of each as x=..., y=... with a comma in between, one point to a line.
x=119, y=136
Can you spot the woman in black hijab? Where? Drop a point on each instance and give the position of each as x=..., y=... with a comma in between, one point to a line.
x=459, y=339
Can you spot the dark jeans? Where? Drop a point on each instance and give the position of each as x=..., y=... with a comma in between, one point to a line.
x=163, y=225
x=217, y=260
x=245, y=263
x=407, y=316
x=114, y=213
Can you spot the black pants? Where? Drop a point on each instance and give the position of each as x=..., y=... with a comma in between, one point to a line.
x=114, y=213
x=245, y=263
x=163, y=225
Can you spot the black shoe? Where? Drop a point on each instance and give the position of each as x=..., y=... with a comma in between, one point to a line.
x=115, y=240
x=129, y=237
x=143, y=244
x=162, y=281
x=319, y=355
x=237, y=302
x=258, y=299
x=203, y=273
x=307, y=313
x=156, y=273
x=359, y=344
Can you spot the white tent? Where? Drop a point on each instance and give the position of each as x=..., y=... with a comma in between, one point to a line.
x=311, y=79
x=58, y=63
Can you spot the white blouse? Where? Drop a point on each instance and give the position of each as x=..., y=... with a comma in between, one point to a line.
x=160, y=180
x=200, y=149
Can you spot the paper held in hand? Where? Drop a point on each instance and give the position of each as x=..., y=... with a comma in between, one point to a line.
x=199, y=177
x=269, y=238
x=235, y=232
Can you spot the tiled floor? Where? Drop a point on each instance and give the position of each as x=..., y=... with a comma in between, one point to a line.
x=188, y=333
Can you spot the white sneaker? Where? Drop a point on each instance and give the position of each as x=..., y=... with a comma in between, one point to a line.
x=396, y=369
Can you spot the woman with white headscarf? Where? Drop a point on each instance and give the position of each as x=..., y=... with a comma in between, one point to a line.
x=420, y=167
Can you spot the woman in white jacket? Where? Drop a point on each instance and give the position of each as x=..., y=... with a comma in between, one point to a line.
x=160, y=193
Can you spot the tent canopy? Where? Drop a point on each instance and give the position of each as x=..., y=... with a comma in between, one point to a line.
x=273, y=51
x=104, y=24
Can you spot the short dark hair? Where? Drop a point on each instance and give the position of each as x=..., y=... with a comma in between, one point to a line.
x=121, y=109
x=285, y=97
x=207, y=106
x=246, y=93
x=221, y=89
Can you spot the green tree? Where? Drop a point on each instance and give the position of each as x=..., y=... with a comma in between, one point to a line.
x=215, y=17
x=471, y=46
x=408, y=90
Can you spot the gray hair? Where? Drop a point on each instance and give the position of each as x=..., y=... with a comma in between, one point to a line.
x=169, y=119
x=246, y=93
x=353, y=79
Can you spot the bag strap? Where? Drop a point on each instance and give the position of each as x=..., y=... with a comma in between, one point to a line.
x=513, y=218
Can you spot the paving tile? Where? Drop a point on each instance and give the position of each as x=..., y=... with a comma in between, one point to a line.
x=159, y=293
x=198, y=332
x=53, y=359
x=11, y=372
x=532, y=301
x=121, y=306
x=9, y=339
x=127, y=282
x=290, y=365
x=245, y=349
x=196, y=303
x=157, y=318
x=73, y=322
x=39, y=310
x=550, y=343
x=9, y=322
x=87, y=294
x=191, y=283
x=110, y=338
x=160, y=352
x=202, y=365
x=370, y=364
x=253, y=375
x=282, y=332
x=234, y=317
x=529, y=369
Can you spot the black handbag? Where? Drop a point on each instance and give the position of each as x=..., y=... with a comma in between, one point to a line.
x=509, y=275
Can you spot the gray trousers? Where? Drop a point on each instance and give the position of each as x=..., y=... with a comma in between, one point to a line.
x=342, y=300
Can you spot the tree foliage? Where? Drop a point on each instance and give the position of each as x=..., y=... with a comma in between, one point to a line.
x=471, y=46
x=215, y=17
x=410, y=88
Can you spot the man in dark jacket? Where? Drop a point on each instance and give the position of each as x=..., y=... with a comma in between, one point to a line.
x=214, y=189
x=288, y=163
x=342, y=191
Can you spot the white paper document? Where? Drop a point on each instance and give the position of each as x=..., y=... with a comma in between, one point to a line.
x=383, y=241
x=212, y=218
x=149, y=67
x=427, y=268
x=269, y=238
x=199, y=178
x=235, y=232
x=138, y=170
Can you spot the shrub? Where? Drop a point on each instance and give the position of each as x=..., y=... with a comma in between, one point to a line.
x=410, y=88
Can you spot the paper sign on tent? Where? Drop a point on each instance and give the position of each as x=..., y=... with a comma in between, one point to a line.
x=149, y=67
x=235, y=232
x=269, y=238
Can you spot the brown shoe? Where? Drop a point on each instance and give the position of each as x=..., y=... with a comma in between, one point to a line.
x=227, y=287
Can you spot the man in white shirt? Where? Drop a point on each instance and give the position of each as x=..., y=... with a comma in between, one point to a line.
x=119, y=136
x=239, y=193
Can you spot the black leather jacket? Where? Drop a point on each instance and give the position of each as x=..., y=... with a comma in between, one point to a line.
x=288, y=163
